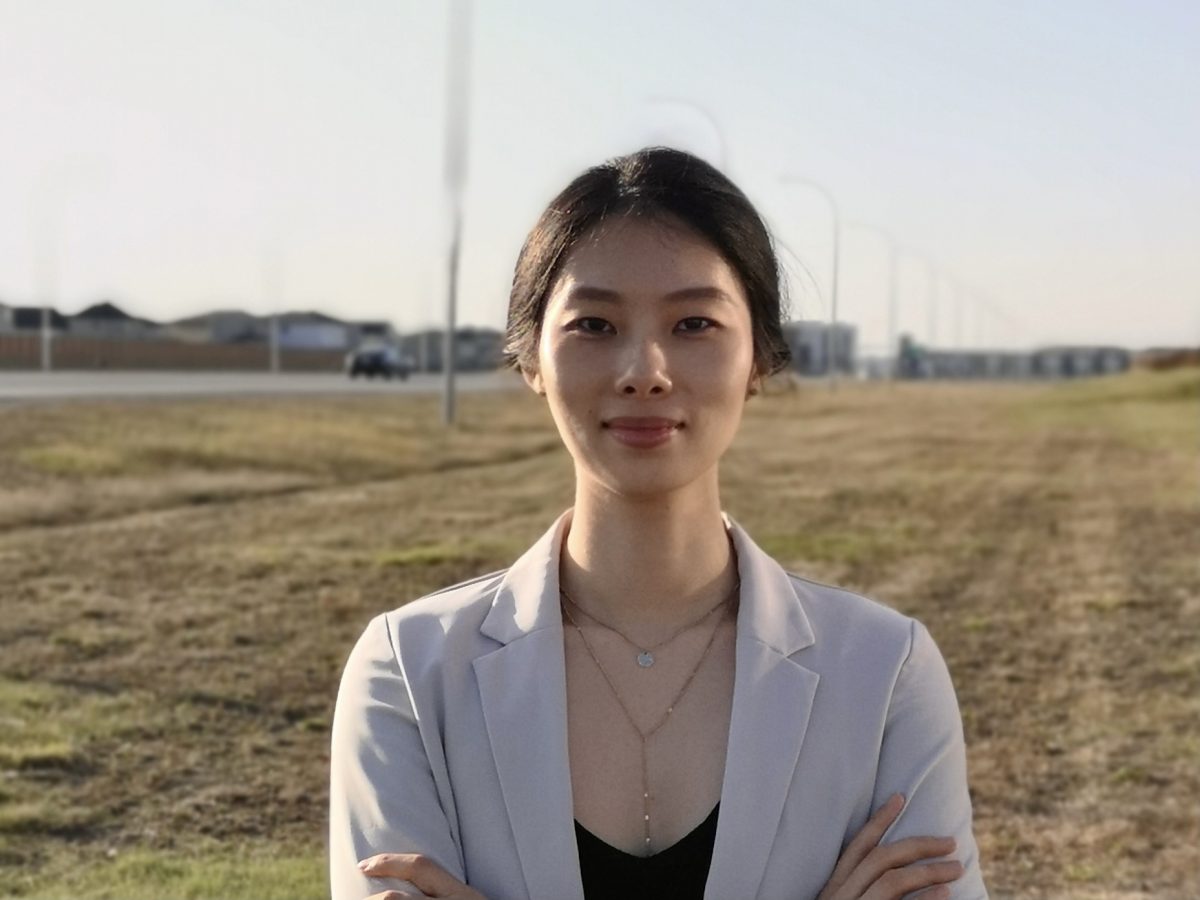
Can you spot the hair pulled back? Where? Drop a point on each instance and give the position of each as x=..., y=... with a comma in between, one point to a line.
x=657, y=182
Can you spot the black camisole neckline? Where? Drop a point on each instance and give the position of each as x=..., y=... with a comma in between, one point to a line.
x=680, y=871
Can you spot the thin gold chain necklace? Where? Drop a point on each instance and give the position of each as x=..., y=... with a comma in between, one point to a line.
x=644, y=736
x=645, y=656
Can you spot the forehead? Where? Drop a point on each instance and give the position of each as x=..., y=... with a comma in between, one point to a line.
x=645, y=257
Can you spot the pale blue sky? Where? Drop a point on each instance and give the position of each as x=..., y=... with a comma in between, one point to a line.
x=1044, y=154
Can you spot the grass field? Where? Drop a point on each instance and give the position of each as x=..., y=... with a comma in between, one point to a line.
x=180, y=583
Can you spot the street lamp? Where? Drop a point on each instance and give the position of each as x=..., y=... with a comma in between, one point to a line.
x=830, y=338
x=458, y=58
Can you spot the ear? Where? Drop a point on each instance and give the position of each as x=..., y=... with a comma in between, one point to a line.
x=534, y=380
x=754, y=385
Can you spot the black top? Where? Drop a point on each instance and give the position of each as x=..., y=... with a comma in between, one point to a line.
x=679, y=872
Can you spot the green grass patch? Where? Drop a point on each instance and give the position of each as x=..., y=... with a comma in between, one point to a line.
x=851, y=548
x=74, y=460
x=41, y=817
x=427, y=555
x=1149, y=410
x=47, y=727
x=143, y=875
x=51, y=754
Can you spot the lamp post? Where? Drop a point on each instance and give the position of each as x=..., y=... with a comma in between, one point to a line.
x=46, y=279
x=47, y=231
x=835, y=216
x=272, y=294
x=458, y=57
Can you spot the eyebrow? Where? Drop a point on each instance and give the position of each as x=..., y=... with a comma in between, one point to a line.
x=700, y=292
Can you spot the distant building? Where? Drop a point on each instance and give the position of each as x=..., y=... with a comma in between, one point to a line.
x=378, y=331
x=917, y=361
x=107, y=320
x=312, y=331
x=226, y=326
x=476, y=349
x=811, y=347
x=24, y=319
x=297, y=330
x=1071, y=362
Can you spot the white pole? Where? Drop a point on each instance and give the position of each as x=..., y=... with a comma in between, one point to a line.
x=458, y=58
x=934, y=296
x=272, y=290
x=47, y=236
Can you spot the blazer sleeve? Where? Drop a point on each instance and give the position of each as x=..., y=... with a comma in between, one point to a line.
x=923, y=757
x=383, y=795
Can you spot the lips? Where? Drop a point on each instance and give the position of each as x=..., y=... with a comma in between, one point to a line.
x=642, y=431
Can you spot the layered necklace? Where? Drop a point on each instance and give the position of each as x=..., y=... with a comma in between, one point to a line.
x=645, y=659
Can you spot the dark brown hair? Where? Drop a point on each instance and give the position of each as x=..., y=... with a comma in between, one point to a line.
x=656, y=182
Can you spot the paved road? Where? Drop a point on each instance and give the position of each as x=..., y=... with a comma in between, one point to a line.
x=34, y=386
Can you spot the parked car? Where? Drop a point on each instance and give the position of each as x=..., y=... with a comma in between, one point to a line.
x=377, y=359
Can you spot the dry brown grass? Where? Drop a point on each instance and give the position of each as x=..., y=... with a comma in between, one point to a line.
x=182, y=581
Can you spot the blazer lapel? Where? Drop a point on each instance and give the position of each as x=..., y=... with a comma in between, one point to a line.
x=772, y=700
x=522, y=687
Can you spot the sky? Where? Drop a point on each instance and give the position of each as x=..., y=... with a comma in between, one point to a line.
x=1036, y=165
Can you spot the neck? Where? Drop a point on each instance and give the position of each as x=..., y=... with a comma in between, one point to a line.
x=647, y=565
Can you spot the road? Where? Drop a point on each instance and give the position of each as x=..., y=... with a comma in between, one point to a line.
x=55, y=386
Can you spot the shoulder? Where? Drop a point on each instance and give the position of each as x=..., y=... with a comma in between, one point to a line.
x=869, y=643
x=852, y=621
x=422, y=631
x=450, y=607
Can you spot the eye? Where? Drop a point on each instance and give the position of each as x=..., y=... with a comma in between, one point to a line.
x=590, y=325
x=695, y=324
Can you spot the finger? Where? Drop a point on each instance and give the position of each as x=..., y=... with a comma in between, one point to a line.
x=866, y=839
x=417, y=869
x=397, y=895
x=895, y=856
x=896, y=883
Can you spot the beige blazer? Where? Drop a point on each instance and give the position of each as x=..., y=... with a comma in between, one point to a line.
x=450, y=737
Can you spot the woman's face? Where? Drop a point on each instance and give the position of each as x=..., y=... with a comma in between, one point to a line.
x=646, y=357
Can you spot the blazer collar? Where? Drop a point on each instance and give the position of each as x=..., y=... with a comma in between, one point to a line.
x=770, y=611
x=527, y=599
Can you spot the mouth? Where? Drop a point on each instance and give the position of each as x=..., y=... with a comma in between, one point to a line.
x=642, y=431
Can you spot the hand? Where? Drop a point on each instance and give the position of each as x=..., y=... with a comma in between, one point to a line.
x=419, y=871
x=868, y=871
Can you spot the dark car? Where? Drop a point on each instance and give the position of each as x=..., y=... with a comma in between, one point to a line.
x=383, y=360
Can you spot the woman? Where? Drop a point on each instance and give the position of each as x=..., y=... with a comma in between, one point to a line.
x=645, y=703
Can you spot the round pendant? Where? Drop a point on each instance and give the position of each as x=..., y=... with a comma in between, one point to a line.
x=645, y=659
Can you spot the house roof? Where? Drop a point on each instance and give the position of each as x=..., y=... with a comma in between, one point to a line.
x=31, y=317
x=106, y=311
x=207, y=318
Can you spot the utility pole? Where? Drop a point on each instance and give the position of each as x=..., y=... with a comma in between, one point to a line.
x=272, y=293
x=458, y=57
x=46, y=250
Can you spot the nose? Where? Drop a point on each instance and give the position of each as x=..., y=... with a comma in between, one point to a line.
x=643, y=372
